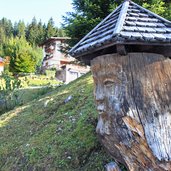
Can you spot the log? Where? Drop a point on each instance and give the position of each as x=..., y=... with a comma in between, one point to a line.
x=133, y=98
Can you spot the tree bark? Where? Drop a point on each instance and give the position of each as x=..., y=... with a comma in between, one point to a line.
x=133, y=97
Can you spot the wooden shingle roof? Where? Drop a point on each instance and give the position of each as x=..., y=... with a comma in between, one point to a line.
x=129, y=23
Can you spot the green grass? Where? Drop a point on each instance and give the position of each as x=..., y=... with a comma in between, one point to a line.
x=19, y=97
x=40, y=80
x=33, y=80
x=48, y=134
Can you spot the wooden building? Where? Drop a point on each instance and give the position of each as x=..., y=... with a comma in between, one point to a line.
x=52, y=55
x=54, y=58
x=129, y=52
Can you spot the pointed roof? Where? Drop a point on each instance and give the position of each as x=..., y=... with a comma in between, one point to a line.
x=129, y=23
x=53, y=39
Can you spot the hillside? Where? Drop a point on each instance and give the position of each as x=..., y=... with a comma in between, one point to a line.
x=52, y=133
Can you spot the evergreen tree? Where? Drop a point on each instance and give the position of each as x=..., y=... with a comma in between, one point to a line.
x=157, y=6
x=32, y=31
x=61, y=32
x=20, y=29
x=41, y=33
x=2, y=41
x=6, y=30
x=20, y=42
x=86, y=15
x=15, y=29
x=51, y=30
x=23, y=58
x=2, y=35
x=7, y=26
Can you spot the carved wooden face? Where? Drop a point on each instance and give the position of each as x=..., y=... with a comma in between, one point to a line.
x=110, y=88
x=133, y=95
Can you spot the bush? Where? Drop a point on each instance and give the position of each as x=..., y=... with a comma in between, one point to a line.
x=40, y=80
x=8, y=85
x=50, y=73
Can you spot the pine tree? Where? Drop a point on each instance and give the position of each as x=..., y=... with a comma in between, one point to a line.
x=7, y=26
x=41, y=33
x=51, y=30
x=61, y=32
x=32, y=31
x=21, y=29
x=23, y=58
x=86, y=15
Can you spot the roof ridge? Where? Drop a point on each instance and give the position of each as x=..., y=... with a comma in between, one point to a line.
x=94, y=28
x=121, y=18
x=150, y=12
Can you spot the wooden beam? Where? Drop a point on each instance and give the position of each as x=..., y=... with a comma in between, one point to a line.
x=91, y=51
x=121, y=50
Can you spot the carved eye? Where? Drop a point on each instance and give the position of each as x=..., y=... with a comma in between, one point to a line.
x=109, y=86
x=108, y=82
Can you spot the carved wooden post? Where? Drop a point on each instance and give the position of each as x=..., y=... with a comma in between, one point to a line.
x=133, y=95
x=130, y=53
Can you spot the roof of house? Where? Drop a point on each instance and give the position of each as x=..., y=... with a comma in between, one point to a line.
x=129, y=23
x=54, y=39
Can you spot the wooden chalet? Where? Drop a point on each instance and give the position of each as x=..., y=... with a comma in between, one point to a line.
x=53, y=57
x=129, y=52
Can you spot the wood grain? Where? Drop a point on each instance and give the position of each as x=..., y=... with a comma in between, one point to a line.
x=133, y=95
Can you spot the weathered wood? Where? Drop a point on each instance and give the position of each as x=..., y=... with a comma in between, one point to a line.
x=133, y=95
x=121, y=50
x=112, y=167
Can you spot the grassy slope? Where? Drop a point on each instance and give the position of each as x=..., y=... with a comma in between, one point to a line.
x=20, y=97
x=57, y=137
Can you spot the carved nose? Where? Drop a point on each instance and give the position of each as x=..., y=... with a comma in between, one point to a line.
x=99, y=97
x=100, y=107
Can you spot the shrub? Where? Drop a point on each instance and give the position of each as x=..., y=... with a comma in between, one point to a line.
x=50, y=73
x=8, y=84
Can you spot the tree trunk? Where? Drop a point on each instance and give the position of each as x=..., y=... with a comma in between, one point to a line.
x=133, y=97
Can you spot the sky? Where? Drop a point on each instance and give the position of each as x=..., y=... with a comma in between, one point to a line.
x=25, y=10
